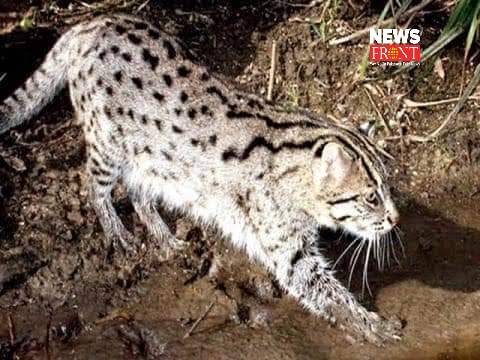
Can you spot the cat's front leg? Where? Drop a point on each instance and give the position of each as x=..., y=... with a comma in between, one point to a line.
x=306, y=276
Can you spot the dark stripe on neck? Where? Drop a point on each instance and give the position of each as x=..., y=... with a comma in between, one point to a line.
x=260, y=141
x=268, y=121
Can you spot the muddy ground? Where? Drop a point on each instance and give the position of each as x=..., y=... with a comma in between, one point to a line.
x=63, y=295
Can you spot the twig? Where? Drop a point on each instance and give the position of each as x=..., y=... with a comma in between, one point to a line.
x=306, y=6
x=273, y=64
x=360, y=33
x=411, y=103
x=195, y=324
x=11, y=330
x=85, y=4
x=377, y=110
x=312, y=21
x=471, y=86
x=11, y=334
x=142, y=5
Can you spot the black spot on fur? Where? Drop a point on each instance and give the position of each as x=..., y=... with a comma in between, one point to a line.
x=171, y=53
x=204, y=109
x=168, y=79
x=183, y=71
x=90, y=70
x=134, y=39
x=159, y=97
x=194, y=142
x=183, y=96
x=229, y=154
x=120, y=29
x=158, y=124
x=214, y=90
x=120, y=130
x=86, y=53
x=176, y=129
x=127, y=57
x=140, y=25
x=115, y=49
x=137, y=82
x=107, y=112
x=147, y=149
x=109, y=91
x=144, y=120
x=102, y=54
x=103, y=182
x=166, y=155
x=178, y=111
x=118, y=76
x=205, y=76
x=150, y=58
x=192, y=113
x=154, y=34
x=296, y=258
x=255, y=104
x=213, y=139
x=130, y=114
x=120, y=110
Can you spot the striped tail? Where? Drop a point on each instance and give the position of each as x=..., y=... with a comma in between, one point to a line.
x=40, y=88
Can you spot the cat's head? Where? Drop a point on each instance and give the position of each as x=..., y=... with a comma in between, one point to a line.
x=350, y=186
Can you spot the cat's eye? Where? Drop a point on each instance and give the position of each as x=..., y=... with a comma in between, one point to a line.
x=372, y=198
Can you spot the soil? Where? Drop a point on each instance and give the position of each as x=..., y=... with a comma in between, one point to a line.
x=64, y=295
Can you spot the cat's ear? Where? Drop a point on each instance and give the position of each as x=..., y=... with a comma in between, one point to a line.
x=331, y=165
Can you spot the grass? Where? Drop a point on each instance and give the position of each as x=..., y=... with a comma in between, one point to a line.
x=292, y=101
x=463, y=20
x=321, y=27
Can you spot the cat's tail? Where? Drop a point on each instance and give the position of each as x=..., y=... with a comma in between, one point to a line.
x=40, y=88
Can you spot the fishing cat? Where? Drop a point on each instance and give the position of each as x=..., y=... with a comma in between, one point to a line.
x=171, y=131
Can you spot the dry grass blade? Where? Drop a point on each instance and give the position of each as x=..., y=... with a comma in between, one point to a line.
x=273, y=64
x=418, y=104
x=196, y=323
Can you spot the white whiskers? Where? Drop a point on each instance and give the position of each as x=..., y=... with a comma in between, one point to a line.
x=381, y=248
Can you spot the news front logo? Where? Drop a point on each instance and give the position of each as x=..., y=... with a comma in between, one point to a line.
x=395, y=46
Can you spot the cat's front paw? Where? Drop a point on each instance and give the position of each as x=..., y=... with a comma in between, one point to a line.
x=377, y=330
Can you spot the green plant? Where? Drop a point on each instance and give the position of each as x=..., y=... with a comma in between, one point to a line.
x=464, y=17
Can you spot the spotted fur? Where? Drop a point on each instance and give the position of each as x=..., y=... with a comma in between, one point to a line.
x=170, y=131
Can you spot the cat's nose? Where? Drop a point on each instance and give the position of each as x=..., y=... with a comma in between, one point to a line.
x=393, y=217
